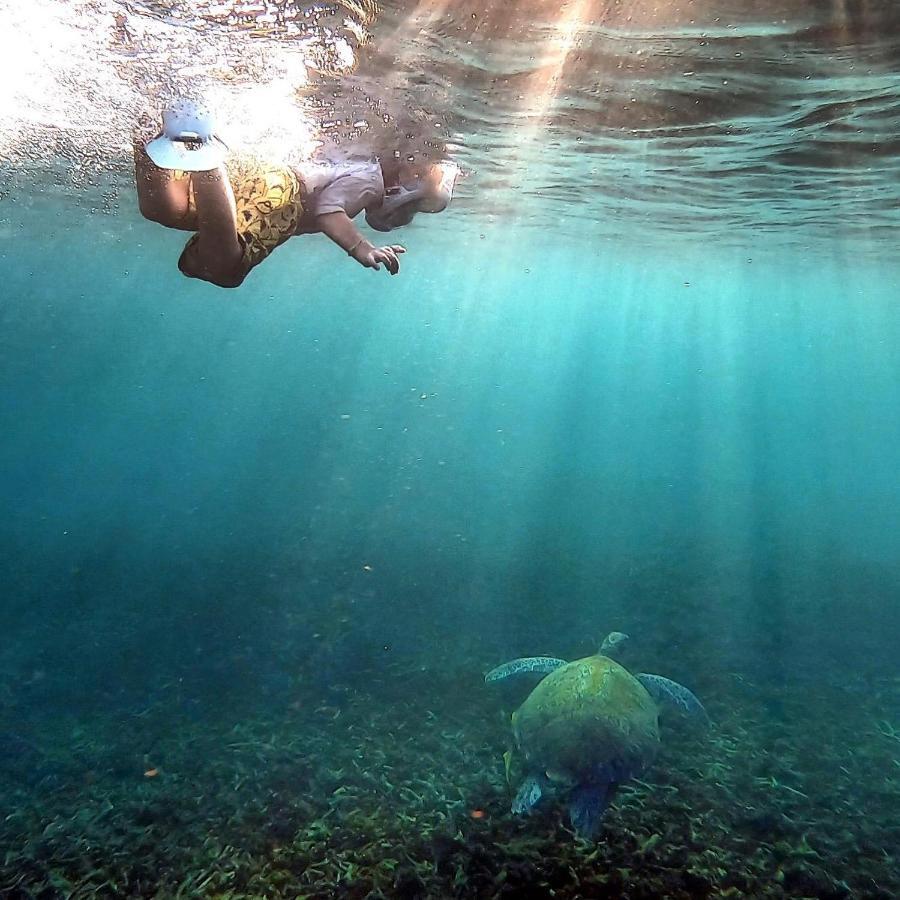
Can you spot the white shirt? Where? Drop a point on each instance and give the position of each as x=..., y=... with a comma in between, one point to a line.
x=347, y=187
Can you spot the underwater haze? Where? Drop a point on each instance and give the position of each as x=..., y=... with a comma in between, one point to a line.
x=260, y=547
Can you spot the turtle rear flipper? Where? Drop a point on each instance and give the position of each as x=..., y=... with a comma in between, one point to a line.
x=587, y=804
x=671, y=695
x=530, y=792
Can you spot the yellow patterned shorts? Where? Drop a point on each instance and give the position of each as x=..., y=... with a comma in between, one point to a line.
x=269, y=201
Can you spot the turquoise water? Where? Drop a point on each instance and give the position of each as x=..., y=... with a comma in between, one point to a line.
x=259, y=547
x=511, y=422
x=219, y=505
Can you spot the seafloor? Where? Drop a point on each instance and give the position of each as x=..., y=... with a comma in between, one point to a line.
x=397, y=789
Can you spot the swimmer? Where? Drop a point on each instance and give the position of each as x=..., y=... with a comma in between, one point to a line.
x=241, y=210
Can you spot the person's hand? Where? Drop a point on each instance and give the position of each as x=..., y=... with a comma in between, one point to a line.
x=372, y=257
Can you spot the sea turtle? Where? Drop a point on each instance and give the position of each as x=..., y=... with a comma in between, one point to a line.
x=588, y=726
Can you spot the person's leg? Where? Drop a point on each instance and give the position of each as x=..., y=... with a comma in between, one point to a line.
x=163, y=196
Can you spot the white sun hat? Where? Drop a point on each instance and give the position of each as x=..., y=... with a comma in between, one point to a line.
x=187, y=141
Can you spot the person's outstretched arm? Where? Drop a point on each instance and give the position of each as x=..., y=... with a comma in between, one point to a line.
x=340, y=228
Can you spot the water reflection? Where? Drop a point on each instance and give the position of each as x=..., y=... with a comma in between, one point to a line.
x=706, y=117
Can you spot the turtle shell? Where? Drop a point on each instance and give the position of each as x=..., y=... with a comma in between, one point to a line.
x=587, y=716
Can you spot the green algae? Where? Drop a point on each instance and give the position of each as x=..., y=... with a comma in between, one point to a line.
x=403, y=800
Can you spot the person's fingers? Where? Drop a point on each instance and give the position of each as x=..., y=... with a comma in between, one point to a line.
x=385, y=255
x=397, y=248
x=388, y=256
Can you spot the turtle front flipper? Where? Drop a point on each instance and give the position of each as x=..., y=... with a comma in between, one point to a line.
x=670, y=694
x=587, y=804
x=530, y=791
x=540, y=665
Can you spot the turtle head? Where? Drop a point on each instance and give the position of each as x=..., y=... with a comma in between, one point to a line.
x=613, y=644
